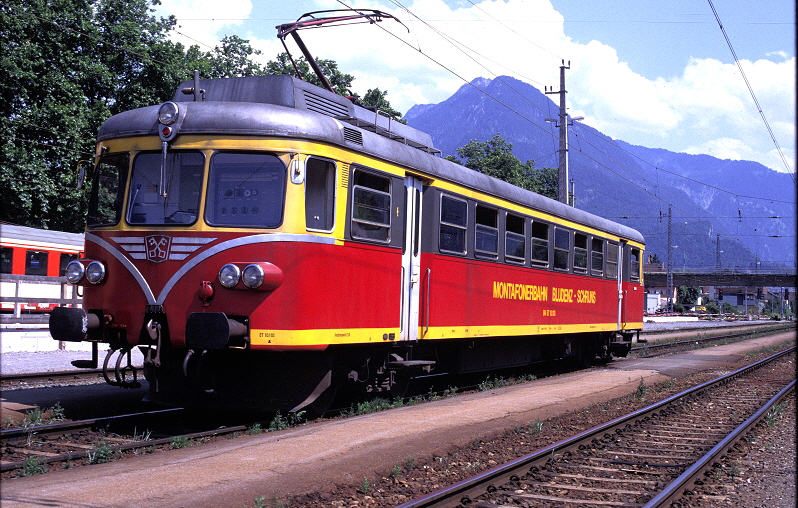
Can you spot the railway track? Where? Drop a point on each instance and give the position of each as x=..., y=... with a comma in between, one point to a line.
x=101, y=439
x=668, y=347
x=646, y=458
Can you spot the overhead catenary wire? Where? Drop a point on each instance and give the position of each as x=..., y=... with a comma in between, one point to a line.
x=753, y=95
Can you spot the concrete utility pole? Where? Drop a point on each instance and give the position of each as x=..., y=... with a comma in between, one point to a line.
x=669, y=272
x=562, y=181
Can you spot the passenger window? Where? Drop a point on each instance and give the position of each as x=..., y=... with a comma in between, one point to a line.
x=514, y=239
x=635, y=265
x=64, y=261
x=371, y=207
x=6, y=259
x=562, y=247
x=540, y=244
x=597, y=257
x=612, y=260
x=580, y=253
x=487, y=232
x=35, y=262
x=454, y=223
x=319, y=194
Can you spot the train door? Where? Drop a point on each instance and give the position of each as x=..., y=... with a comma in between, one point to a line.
x=411, y=259
x=621, y=276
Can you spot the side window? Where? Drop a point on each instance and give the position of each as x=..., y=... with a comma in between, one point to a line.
x=454, y=223
x=319, y=194
x=580, y=253
x=634, y=273
x=612, y=260
x=487, y=232
x=35, y=262
x=371, y=207
x=108, y=191
x=540, y=244
x=562, y=246
x=64, y=261
x=597, y=257
x=6, y=259
x=514, y=239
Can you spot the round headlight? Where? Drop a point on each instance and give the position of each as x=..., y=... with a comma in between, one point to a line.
x=74, y=271
x=229, y=276
x=167, y=113
x=252, y=276
x=95, y=272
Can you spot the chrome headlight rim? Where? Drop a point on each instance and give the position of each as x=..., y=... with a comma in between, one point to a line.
x=229, y=275
x=253, y=276
x=95, y=272
x=167, y=113
x=74, y=271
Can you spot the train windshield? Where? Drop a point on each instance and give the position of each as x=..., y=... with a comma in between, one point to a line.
x=245, y=189
x=182, y=184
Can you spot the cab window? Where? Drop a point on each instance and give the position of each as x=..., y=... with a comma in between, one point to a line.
x=182, y=182
x=246, y=190
x=108, y=190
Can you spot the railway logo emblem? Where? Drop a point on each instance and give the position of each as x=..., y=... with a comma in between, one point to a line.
x=157, y=247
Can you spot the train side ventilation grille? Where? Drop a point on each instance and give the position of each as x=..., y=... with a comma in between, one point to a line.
x=353, y=136
x=319, y=104
x=345, y=177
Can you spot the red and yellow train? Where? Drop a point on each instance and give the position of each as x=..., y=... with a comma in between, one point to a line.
x=270, y=242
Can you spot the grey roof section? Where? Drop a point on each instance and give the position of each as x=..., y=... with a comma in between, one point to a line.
x=24, y=233
x=279, y=106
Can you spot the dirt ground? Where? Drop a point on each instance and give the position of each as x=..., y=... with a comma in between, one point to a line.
x=324, y=456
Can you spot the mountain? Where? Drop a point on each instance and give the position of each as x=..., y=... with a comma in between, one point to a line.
x=631, y=184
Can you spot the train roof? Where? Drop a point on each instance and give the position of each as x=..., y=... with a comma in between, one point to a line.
x=13, y=234
x=284, y=106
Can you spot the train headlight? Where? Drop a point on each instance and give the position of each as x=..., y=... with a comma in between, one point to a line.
x=229, y=275
x=95, y=272
x=167, y=113
x=252, y=276
x=74, y=271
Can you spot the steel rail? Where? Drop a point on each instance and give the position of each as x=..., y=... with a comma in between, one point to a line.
x=675, y=489
x=664, y=345
x=53, y=428
x=461, y=492
x=55, y=374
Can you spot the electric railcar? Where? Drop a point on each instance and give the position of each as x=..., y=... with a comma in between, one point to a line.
x=266, y=242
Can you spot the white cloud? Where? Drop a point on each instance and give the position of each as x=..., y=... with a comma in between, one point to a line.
x=705, y=109
x=204, y=23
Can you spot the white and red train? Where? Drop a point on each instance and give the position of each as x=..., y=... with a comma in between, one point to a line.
x=272, y=242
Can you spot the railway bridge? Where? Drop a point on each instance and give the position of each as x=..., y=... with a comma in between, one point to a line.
x=724, y=278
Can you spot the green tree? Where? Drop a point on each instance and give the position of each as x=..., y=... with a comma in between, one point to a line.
x=340, y=81
x=688, y=295
x=67, y=66
x=375, y=98
x=495, y=158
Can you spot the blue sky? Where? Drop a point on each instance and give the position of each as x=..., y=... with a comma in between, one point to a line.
x=650, y=72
